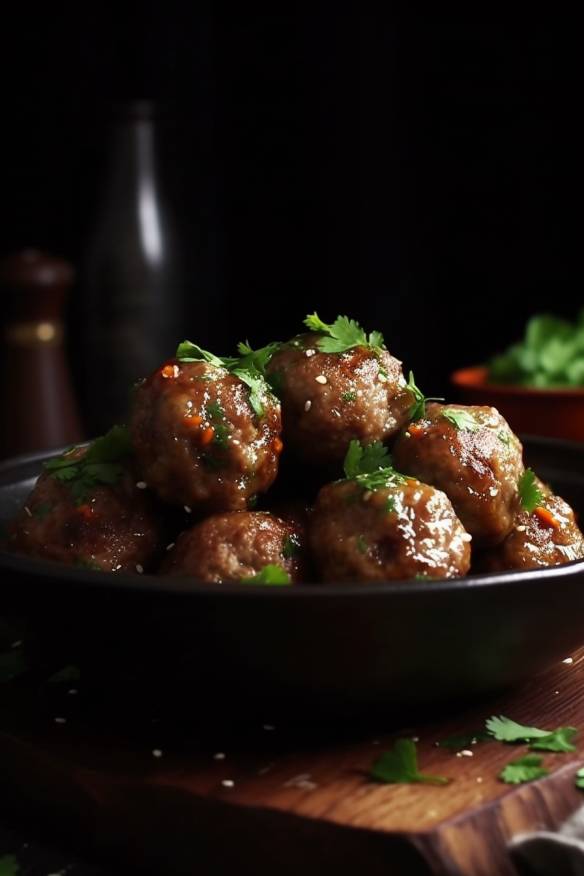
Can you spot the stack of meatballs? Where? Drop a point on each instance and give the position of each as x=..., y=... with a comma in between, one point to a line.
x=188, y=493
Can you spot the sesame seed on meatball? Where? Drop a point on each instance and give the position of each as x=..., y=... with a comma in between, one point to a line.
x=394, y=532
x=198, y=440
x=236, y=545
x=473, y=456
x=328, y=399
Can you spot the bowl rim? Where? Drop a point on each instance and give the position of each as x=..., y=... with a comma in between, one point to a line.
x=475, y=377
x=92, y=580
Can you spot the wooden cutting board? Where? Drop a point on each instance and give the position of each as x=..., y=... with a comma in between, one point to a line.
x=273, y=800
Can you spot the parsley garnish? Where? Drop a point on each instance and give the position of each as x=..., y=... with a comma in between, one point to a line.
x=418, y=409
x=9, y=865
x=579, y=780
x=370, y=466
x=361, y=544
x=291, y=546
x=349, y=396
x=504, y=437
x=390, y=505
x=400, y=766
x=505, y=730
x=270, y=574
x=530, y=494
x=249, y=366
x=100, y=464
x=524, y=769
x=216, y=416
x=343, y=334
x=461, y=419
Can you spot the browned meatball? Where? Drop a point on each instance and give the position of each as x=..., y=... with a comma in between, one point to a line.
x=197, y=439
x=549, y=536
x=229, y=547
x=471, y=454
x=390, y=533
x=330, y=398
x=114, y=528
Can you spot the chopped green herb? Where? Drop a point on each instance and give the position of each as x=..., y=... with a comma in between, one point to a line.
x=343, y=334
x=102, y=463
x=66, y=674
x=421, y=576
x=530, y=494
x=370, y=466
x=270, y=574
x=524, y=769
x=291, y=546
x=216, y=416
x=249, y=366
x=464, y=740
x=506, y=730
x=349, y=396
x=9, y=866
x=418, y=409
x=461, y=419
x=390, y=505
x=558, y=741
x=83, y=563
x=400, y=766
x=579, y=781
x=504, y=437
x=361, y=544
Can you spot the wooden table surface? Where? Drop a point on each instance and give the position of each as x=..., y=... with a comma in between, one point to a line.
x=269, y=800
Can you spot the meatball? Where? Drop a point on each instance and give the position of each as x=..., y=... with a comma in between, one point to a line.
x=113, y=529
x=198, y=441
x=330, y=398
x=390, y=533
x=549, y=536
x=471, y=454
x=229, y=547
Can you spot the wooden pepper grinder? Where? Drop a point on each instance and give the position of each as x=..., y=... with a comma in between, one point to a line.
x=38, y=406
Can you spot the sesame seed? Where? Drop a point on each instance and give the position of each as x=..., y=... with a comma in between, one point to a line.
x=228, y=783
x=307, y=405
x=466, y=536
x=156, y=752
x=320, y=378
x=60, y=720
x=568, y=660
x=170, y=546
x=493, y=491
x=466, y=752
x=139, y=568
x=118, y=567
x=28, y=511
x=309, y=353
x=188, y=509
x=479, y=779
x=219, y=756
x=415, y=738
x=141, y=485
x=521, y=528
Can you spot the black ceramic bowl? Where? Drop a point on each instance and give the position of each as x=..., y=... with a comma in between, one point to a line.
x=335, y=650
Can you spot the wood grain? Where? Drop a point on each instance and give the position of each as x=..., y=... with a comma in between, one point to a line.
x=296, y=802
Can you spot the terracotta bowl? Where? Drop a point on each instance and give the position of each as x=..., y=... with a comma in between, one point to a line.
x=558, y=413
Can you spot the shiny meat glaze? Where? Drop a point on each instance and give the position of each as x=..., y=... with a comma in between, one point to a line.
x=478, y=470
x=538, y=539
x=229, y=547
x=354, y=537
x=198, y=441
x=115, y=530
x=330, y=398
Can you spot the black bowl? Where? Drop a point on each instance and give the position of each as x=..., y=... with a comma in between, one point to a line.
x=349, y=650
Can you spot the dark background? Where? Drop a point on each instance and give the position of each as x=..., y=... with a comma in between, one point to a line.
x=415, y=171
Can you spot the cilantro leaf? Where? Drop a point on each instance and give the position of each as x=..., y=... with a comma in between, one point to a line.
x=370, y=466
x=505, y=730
x=9, y=865
x=524, y=769
x=291, y=546
x=250, y=367
x=461, y=419
x=400, y=766
x=579, y=780
x=102, y=463
x=270, y=574
x=559, y=740
x=343, y=334
x=530, y=494
x=418, y=409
